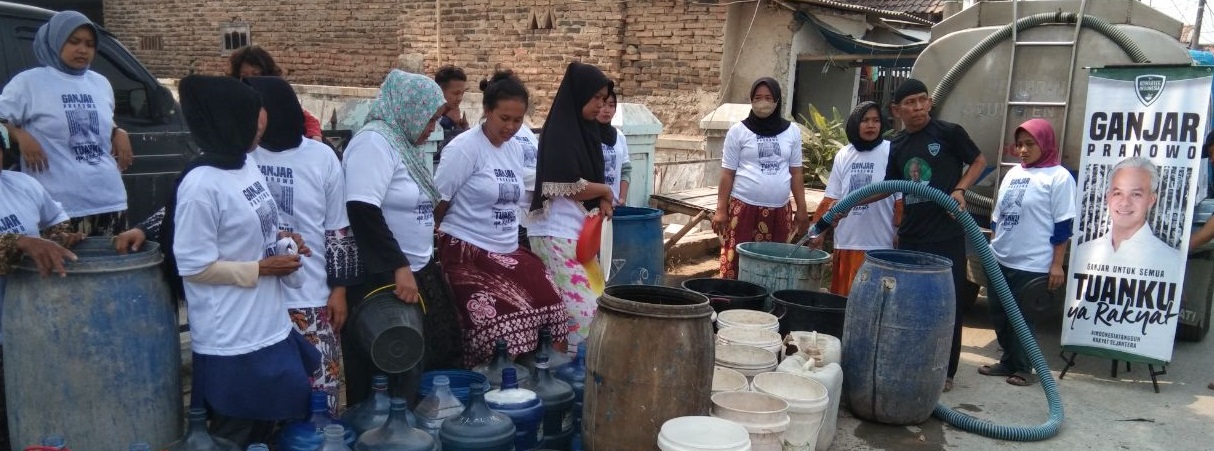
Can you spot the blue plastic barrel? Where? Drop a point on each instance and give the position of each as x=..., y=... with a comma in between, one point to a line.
x=637, y=256
x=896, y=337
x=95, y=355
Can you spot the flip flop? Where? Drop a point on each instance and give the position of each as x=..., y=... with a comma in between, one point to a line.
x=995, y=370
x=1022, y=379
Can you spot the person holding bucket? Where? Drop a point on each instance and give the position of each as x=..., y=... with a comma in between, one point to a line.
x=1031, y=230
x=390, y=197
x=572, y=193
x=501, y=289
x=760, y=166
x=866, y=227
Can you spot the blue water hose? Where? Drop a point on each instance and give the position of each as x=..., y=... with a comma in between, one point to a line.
x=997, y=282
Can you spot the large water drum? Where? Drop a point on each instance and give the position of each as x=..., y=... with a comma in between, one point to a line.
x=96, y=355
x=897, y=333
x=637, y=256
x=782, y=266
x=650, y=359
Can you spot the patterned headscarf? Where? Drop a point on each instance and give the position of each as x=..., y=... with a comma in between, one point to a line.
x=52, y=35
x=404, y=107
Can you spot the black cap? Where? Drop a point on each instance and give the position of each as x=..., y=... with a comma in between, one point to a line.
x=909, y=88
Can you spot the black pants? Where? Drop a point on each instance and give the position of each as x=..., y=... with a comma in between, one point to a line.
x=1014, y=356
x=444, y=342
x=240, y=431
x=966, y=291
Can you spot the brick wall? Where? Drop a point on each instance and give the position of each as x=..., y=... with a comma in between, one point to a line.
x=665, y=54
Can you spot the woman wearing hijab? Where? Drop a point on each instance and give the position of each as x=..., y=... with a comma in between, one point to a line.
x=1031, y=227
x=761, y=165
x=617, y=169
x=570, y=186
x=390, y=197
x=501, y=289
x=62, y=117
x=305, y=178
x=251, y=368
x=866, y=227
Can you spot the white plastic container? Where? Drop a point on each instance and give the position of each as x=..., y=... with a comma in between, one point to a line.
x=703, y=434
x=751, y=319
x=764, y=416
x=725, y=379
x=761, y=338
x=830, y=376
x=807, y=402
x=821, y=347
x=748, y=360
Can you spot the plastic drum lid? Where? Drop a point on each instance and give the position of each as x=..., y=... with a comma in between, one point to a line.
x=704, y=433
x=753, y=319
x=735, y=356
x=793, y=389
x=751, y=337
x=728, y=379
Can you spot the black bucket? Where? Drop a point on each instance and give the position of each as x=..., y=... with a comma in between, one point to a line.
x=390, y=330
x=726, y=294
x=810, y=311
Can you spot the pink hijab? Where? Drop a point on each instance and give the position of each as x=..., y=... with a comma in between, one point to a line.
x=1043, y=133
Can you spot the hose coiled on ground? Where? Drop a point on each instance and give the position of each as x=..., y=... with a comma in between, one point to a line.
x=997, y=283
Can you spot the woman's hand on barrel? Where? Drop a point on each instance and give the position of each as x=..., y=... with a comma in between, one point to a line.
x=406, y=285
x=278, y=265
x=303, y=249
x=129, y=241
x=47, y=255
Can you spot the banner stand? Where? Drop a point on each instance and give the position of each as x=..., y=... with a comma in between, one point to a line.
x=1115, y=357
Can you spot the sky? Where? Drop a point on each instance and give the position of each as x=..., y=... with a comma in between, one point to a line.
x=1186, y=12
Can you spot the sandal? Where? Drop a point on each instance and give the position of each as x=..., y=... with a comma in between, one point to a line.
x=948, y=385
x=1211, y=386
x=995, y=370
x=1022, y=379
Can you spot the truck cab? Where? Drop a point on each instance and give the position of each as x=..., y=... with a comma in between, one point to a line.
x=146, y=110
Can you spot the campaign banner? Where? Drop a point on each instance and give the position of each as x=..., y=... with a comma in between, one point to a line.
x=1138, y=176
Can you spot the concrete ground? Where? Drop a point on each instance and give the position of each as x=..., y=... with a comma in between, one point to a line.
x=1102, y=412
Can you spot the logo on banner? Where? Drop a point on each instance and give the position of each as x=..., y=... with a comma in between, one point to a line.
x=933, y=148
x=1149, y=87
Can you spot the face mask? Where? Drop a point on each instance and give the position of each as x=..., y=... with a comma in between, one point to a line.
x=763, y=108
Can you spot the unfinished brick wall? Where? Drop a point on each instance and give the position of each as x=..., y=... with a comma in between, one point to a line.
x=665, y=54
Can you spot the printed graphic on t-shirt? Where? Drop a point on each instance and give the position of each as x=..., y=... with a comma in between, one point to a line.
x=282, y=186
x=770, y=159
x=509, y=191
x=861, y=176
x=609, y=158
x=11, y=224
x=424, y=213
x=1009, y=204
x=919, y=171
x=529, y=151
x=259, y=198
x=84, y=125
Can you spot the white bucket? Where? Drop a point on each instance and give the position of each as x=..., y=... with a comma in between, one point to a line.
x=807, y=402
x=725, y=379
x=703, y=434
x=751, y=319
x=831, y=377
x=764, y=416
x=822, y=347
x=761, y=338
x=748, y=360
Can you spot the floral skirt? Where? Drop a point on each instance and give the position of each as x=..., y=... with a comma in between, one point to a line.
x=317, y=327
x=746, y=223
x=507, y=296
x=580, y=285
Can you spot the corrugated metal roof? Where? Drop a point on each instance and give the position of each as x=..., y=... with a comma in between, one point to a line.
x=906, y=6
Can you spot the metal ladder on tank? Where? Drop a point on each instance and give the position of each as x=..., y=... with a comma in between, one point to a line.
x=1062, y=104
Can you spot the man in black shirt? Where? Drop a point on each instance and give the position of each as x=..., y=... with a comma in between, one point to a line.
x=934, y=153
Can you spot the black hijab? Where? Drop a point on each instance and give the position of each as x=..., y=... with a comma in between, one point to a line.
x=222, y=115
x=571, y=147
x=606, y=131
x=772, y=125
x=284, y=115
x=853, y=126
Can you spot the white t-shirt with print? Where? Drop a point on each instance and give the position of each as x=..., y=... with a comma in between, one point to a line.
x=613, y=162
x=376, y=175
x=227, y=215
x=866, y=227
x=25, y=207
x=762, y=164
x=72, y=118
x=307, y=185
x=484, y=185
x=1031, y=201
x=530, y=146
